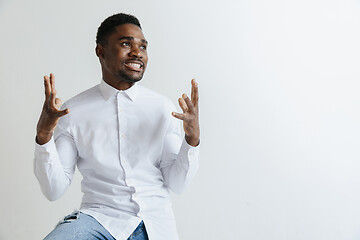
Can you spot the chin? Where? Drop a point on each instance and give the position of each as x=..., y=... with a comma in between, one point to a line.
x=131, y=78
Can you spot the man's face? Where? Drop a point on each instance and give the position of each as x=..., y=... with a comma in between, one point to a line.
x=124, y=56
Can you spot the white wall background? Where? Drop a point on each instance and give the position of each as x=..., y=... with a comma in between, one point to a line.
x=280, y=109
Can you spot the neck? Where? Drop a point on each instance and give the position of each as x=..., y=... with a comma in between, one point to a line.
x=117, y=83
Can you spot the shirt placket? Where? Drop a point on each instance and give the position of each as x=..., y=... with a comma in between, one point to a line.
x=123, y=144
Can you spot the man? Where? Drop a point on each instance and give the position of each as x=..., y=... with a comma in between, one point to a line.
x=123, y=140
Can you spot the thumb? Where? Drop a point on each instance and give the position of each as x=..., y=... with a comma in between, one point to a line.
x=63, y=112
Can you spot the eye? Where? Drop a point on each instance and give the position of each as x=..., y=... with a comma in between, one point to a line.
x=125, y=44
x=144, y=47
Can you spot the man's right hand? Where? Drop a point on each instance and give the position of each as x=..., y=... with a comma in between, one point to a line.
x=50, y=114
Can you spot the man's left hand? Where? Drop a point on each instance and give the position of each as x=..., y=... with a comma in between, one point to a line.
x=190, y=115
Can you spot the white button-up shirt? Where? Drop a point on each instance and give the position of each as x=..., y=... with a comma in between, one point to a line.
x=130, y=152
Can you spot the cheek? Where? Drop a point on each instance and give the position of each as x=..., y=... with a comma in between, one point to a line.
x=117, y=55
x=116, y=60
x=145, y=59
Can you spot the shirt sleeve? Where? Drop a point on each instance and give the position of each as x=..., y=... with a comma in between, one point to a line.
x=55, y=161
x=179, y=161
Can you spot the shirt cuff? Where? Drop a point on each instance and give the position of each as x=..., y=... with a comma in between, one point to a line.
x=44, y=151
x=191, y=151
x=190, y=146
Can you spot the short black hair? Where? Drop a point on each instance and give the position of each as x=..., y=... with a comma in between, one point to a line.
x=109, y=24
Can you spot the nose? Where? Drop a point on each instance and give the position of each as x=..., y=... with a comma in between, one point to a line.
x=135, y=52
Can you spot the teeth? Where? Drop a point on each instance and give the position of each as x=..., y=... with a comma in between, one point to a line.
x=136, y=65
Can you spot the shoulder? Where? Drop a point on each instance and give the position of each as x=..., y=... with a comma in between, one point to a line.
x=79, y=104
x=161, y=105
x=84, y=98
x=155, y=98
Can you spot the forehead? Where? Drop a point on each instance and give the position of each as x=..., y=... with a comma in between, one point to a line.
x=127, y=30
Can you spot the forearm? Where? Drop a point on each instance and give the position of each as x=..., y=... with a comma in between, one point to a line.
x=49, y=171
x=180, y=171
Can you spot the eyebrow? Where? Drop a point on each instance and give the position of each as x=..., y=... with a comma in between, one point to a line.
x=132, y=38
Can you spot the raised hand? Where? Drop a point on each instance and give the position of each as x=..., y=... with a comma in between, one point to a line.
x=190, y=115
x=50, y=114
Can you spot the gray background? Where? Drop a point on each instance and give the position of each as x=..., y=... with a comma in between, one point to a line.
x=280, y=119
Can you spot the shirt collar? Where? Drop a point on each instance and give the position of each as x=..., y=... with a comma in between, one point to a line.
x=108, y=91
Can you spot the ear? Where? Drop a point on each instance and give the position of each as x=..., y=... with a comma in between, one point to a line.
x=99, y=50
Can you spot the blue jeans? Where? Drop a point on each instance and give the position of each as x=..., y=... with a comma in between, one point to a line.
x=80, y=226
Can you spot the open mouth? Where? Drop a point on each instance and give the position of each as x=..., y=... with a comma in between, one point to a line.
x=134, y=66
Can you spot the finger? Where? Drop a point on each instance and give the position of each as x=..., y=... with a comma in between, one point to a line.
x=194, y=93
x=63, y=112
x=47, y=87
x=58, y=103
x=53, y=90
x=178, y=115
x=52, y=97
x=183, y=105
x=52, y=81
x=188, y=102
x=192, y=89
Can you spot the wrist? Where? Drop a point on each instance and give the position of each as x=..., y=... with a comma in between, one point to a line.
x=42, y=138
x=192, y=140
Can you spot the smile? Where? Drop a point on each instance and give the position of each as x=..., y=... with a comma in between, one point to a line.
x=134, y=66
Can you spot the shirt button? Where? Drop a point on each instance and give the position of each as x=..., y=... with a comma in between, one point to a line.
x=123, y=135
